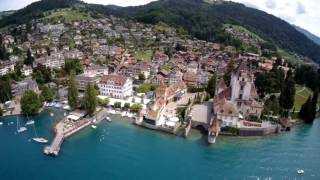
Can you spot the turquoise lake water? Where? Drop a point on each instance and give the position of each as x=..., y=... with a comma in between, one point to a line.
x=120, y=150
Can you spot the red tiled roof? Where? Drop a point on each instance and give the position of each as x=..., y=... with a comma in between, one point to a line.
x=117, y=79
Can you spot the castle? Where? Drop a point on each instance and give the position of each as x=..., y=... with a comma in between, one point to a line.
x=239, y=101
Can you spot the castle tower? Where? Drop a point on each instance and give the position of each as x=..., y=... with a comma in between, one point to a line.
x=241, y=84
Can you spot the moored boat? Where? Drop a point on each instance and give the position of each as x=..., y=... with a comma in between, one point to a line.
x=20, y=129
x=40, y=140
x=211, y=138
x=300, y=171
x=108, y=119
x=30, y=122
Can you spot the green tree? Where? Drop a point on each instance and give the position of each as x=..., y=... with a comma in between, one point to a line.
x=29, y=60
x=211, y=86
x=1, y=112
x=144, y=88
x=73, y=65
x=142, y=77
x=104, y=102
x=47, y=94
x=90, y=99
x=287, y=95
x=136, y=108
x=30, y=103
x=126, y=106
x=269, y=82
x=306, y=111
x=227, y=75
x=272, y=106
x=73, y=92
x=117, y=105
x=5, y=90
x=314, y=105
x=4, y=55
x=42, y=75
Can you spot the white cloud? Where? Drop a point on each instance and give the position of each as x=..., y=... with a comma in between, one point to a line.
x=303, y=13
x=271, y=4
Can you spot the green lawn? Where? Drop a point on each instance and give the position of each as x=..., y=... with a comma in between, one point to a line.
x=162, y=27
x=242, y=29
x=289, y=56
x=144, y=55
x=69, y=15
x=302, y=94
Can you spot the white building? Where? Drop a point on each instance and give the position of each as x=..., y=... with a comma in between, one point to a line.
x=6, y=68
x=115, y=86
x=26, y=70
x=55, y=61
x=84, y=79
x=96, y=70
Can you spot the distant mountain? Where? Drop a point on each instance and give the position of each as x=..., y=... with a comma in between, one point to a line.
x=311, y=36
x=5, y=13
x=36, y=9
x=196, y=17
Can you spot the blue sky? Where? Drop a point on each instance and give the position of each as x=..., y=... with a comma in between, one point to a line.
x=303, y=13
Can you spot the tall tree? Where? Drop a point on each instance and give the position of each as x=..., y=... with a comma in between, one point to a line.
x=306, y=111
x=5, y=90
x=47, y=93
x=30, y=103
x=29, y=60
x=287, y=95
x=73, y=92
x=42, y=74
x=73, y=65
x=136, y=108
x=90, y=99
x=227, y=75
x=314, y=105
x=3, y=53
x=211, y=86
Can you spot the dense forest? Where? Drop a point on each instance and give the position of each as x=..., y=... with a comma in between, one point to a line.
x=196, y=17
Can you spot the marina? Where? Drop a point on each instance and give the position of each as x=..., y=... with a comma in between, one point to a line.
x=70, y=125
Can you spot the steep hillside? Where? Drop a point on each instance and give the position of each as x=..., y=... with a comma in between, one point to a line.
x=204, y=21
x=311, y=36
x=198, y=18
x=36, y=10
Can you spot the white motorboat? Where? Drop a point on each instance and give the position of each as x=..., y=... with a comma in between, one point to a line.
x=20, y=129
x=211, y=138
x=300, y=171
x=40, y=140
x=1, y=123
x=30, y=122
x=93, y=127
x=108, y=119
